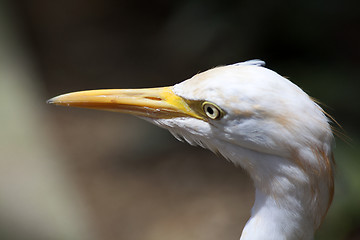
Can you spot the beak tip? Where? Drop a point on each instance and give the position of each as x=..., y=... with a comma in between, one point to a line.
x=53, y=101
x=50, y=101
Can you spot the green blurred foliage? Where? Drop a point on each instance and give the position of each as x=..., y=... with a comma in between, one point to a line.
x=343, y=218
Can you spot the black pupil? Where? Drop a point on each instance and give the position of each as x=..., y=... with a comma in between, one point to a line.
x=210, y=110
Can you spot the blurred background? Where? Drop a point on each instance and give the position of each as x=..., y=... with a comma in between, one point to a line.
x=82, y=174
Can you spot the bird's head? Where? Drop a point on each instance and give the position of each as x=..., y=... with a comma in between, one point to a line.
x=243, y=105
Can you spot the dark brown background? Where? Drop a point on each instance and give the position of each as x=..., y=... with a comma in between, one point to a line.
x=134, y=179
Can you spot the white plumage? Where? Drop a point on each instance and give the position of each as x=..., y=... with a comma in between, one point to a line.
x=255, y=118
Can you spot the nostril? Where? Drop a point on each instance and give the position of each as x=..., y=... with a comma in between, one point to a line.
x=154, y=98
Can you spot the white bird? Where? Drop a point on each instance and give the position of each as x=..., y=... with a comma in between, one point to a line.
x=255, y=118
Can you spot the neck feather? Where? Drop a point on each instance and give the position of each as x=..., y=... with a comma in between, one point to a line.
x=270, y=220
x=293, y=193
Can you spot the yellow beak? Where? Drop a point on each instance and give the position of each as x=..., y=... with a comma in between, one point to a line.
x=148, y=102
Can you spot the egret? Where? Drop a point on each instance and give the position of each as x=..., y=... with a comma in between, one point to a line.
x=256, y=119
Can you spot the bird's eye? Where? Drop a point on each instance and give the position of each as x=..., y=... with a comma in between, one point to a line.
x=211, y=110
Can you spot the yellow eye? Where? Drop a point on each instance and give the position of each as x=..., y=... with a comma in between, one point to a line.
x=211, y=110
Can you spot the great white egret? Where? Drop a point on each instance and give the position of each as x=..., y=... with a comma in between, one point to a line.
x=255, y=118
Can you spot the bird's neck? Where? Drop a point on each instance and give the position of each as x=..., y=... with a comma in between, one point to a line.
x=270, y=220
x=290, y=201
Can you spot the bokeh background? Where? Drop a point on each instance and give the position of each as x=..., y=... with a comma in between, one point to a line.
x=73, y=174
